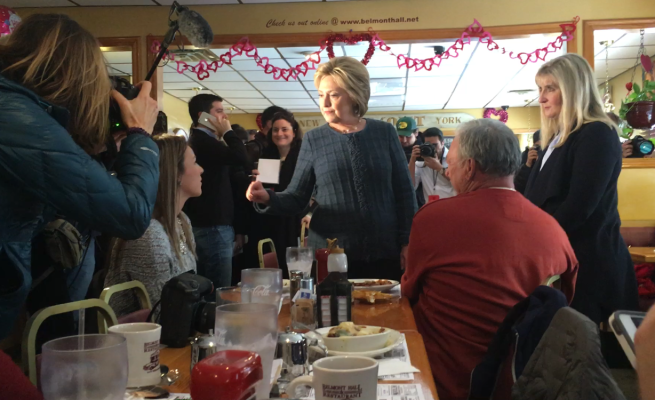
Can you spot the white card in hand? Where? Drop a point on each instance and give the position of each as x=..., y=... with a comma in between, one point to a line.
x=269, y=171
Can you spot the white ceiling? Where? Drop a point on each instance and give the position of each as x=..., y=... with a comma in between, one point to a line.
x=622, y=53
x=477, y=78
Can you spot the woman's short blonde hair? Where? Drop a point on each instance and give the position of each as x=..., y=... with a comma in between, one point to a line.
x=581, y=101
x=351, y=75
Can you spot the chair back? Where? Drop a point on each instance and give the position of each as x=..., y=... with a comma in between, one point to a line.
x=268, y=260
x=303, y=229
x=34, y=323
x=144, y=301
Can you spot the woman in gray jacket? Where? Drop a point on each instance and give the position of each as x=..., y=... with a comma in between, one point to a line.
x=54, y=104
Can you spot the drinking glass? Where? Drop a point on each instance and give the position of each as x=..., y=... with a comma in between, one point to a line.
x=228, y=295
x=85, y=367
x=252, y=327
x=262, y=285
x=300, y=259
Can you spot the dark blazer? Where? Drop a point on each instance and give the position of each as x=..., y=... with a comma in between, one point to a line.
x=577, y=186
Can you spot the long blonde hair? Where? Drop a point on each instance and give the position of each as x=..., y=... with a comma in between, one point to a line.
x=171, y=169
x=53, y=56
x=581, y=101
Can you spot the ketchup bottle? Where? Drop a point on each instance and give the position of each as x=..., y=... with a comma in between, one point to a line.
x=321, y=256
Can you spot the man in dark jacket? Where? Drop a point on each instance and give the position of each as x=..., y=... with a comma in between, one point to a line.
x=408, y=135
x=213, y=213
x=528, y=158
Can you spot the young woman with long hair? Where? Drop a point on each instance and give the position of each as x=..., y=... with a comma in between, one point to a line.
x=167, y=249
x=575, y=179
x=54, y=105
x=284, y=139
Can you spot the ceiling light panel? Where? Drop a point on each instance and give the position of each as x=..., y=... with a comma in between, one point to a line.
x=181, y=85
x=386, y=87
x=240, y=94
x=386, y=101
x=386, y=72
x=281, y=94
x=426, y=50
x=259, y=76
x=279, y=85
x=175, y=77
x=297, y=52
x=293, y=102
x=359, y=50
x=117, y=57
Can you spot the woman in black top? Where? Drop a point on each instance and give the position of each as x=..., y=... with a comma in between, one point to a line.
x=283, y=143
x=574, y=180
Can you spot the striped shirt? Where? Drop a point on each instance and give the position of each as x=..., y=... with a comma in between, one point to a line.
x=362, y=185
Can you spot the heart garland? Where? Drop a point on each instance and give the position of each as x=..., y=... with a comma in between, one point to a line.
x=475, y=30
x=502, y=114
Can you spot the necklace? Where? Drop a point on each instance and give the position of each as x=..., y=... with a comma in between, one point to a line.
x=347, y=130
x=182, y=236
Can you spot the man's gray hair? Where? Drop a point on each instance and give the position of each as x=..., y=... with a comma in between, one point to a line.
x=492, y=145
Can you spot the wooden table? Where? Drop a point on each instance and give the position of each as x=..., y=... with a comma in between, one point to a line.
x=642, y=254
x=395, y=315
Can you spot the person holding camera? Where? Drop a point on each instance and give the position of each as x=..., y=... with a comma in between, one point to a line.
x=427, y=166
x=570, y=183
x=529, y=156
x=167, y=248
x=54, y=114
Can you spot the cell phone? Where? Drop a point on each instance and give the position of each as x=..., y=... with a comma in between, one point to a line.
x=205, y=120
x=624, y=324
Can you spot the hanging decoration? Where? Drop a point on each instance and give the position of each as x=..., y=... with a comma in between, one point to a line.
x=8, y=20
x=259, y=122
x=475, y=30
x=501, y=114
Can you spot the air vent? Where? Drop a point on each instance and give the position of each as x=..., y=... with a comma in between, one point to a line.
x=194, y=55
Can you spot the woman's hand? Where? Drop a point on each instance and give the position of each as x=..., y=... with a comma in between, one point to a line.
x=140, y=112
x=306, y=220
x=257, y=194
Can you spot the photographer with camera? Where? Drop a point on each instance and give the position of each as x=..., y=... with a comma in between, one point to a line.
x=54, y=104
x=428, y=165
x=529, y=156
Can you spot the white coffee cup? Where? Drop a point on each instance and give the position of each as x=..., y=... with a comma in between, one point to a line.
x=342, y=377
x=142, y=352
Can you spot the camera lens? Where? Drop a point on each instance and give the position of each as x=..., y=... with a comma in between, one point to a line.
x=646, y=147
x=642, y=147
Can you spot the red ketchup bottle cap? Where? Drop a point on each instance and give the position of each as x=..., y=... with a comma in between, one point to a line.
x=226, y=375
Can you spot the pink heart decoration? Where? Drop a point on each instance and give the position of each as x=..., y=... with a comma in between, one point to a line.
x=203, y=74
x=501, y=114
x=181, y=67
x=226, y=58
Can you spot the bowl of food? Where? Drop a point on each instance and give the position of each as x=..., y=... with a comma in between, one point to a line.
x=351, y=338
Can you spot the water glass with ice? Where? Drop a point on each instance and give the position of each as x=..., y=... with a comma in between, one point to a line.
x=300, y=259
x=261, y=285
x=251, y=327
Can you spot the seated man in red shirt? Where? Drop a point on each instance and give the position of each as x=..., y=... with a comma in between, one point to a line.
x=472, y=257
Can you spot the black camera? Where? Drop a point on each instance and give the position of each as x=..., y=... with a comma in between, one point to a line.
x=641, y=147
x=184, y=310
x=427, y=150
x=129, y=91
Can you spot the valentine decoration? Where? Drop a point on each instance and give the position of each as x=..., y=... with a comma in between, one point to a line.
x=502, y=114
x=8, y=20
x=476, y=30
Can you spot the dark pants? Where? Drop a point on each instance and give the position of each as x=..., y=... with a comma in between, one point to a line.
x=215, y=247
x=378, y=269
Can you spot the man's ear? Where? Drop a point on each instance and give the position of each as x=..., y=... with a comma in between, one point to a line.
x=471, y=168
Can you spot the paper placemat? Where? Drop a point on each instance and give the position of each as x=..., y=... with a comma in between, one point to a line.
x=401, y=353
x=391, y=392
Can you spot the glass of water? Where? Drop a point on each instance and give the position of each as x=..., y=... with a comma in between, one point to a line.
x=84, y=367
x=300, y=259
x=262, y=285
x=251, y=327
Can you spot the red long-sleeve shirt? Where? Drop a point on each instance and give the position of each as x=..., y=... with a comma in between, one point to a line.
x=471, y=258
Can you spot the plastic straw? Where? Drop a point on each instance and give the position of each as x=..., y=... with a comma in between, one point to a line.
x=80, y=329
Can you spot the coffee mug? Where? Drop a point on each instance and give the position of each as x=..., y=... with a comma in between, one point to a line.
x=142, y=352
x=342, y=377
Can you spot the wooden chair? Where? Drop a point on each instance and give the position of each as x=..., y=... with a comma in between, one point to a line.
x=137, y=316
x=303, y=228
x=268, y=260
x=34, y=323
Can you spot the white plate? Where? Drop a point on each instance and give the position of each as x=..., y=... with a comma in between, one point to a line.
x=380, y=288
x=395, y=339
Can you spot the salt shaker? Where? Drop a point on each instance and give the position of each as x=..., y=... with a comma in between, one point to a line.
x=202, y=346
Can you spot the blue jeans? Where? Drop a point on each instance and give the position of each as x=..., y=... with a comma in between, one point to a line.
x=79, y=278
x=215, y=247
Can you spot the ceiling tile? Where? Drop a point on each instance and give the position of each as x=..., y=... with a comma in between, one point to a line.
x=251, y=102
x=359, y=50
x=385, y=87
x=283, y=94
x=386, y=72
x=86, y=3
x=424, y=107
x=628, y=52
x=634, y=38
x=261, y=76
x=37, y=3
x=117, y=57
x=296, y=52
x=239, y=94
x=604, y=35
x=381, y=59
x=426, y=50
x=278, y=85
x=219, y=76
x=184, y=93
x=385, y=101
x=251, y=65
x=294, y=102
x=180, y=85
x=175, y=77
x=227, y=85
